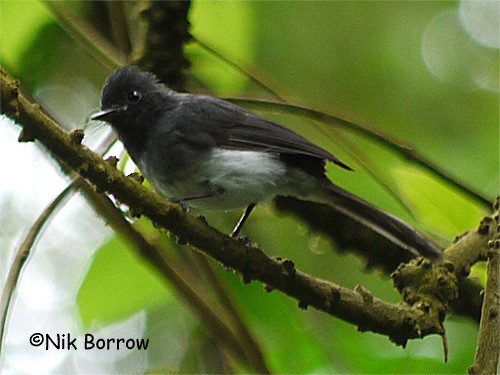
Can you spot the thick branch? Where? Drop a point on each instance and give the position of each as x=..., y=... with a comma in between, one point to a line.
x=170, y=267
x=436, y=286
x=161, y=35
x=471, y=247
x=488, y=346
x=384, y=254
x=400, y=322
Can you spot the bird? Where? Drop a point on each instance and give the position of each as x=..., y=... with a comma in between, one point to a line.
x=212, y=154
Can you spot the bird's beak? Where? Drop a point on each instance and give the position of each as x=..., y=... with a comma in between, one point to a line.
x=107, y=114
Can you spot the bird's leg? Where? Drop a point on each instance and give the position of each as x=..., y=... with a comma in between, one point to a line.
x=207, y=194
x=237, y=229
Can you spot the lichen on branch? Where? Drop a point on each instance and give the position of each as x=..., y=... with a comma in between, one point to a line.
x=400, y=322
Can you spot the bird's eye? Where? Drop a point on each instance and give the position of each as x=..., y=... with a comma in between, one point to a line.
x=134, y=96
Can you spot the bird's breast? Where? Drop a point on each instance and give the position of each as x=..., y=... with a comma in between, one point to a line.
x=241, y=177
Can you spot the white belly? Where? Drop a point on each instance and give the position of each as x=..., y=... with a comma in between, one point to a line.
x=244, y=177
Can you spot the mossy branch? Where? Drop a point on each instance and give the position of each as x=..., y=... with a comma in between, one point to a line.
x=488, y=343
x=399, y=322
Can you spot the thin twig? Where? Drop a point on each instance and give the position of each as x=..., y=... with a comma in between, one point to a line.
x=23, y=252
x=245, y=71
x=260, y=83
x=119, y=27
x=356, y=153
x=170, y=268
x=282, y=106
x=166, y=264
x=231, y=310
x=405, y=151
x=111, y=57
x=87, y=36
x=22, y=255
x=398, y=321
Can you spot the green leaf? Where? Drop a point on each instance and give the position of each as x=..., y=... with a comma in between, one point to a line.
x=20, y=23
x=230, y=28
x=118, y=284
x=436, y=205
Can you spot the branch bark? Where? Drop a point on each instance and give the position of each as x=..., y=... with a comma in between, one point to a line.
x=158, y=48
x=488, y=346
x=399, y=322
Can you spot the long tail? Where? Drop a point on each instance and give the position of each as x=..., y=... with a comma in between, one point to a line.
x=381, y=222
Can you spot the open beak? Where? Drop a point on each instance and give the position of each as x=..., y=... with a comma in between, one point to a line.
x=107, y=114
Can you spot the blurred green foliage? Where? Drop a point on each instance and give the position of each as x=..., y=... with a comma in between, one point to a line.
x=117, y=285
x=360, y=59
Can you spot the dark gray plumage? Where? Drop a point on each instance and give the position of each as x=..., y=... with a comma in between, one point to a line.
x=217, y=155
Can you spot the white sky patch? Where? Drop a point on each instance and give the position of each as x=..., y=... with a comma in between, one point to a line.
x=452, y=56
x=45, y=299
x=481, y=19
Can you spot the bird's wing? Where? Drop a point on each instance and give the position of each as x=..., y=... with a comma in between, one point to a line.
x=229, y=126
